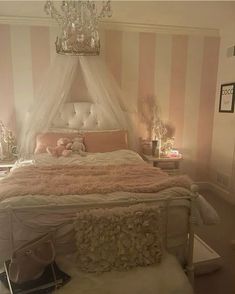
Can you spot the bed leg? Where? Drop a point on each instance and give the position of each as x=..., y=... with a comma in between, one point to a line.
x=190, y=265
x=190, y=274
x=192, y=222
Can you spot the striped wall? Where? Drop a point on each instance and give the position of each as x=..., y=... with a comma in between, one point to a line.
x=7, y=107
x=178, y=71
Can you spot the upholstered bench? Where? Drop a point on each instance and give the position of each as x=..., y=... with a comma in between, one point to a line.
x=166, y=277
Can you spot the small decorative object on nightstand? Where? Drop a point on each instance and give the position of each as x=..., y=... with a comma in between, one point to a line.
x=170, y=165
x=155, y=149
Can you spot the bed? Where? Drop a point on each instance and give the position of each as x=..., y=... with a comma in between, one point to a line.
x=28, y=209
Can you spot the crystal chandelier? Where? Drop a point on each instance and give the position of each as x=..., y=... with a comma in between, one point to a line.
x=78, y=21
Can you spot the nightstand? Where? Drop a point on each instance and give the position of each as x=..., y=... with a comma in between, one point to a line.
x=170, y=165
x=5, y=167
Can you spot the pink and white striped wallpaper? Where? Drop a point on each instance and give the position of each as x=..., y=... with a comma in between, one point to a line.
x=180, y=71
x=7, y=108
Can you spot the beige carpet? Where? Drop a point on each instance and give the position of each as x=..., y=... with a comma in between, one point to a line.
x=219, y=238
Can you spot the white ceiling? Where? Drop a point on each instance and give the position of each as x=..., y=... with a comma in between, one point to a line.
x=204, y=14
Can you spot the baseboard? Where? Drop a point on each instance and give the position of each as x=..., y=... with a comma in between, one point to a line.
x=226, y=195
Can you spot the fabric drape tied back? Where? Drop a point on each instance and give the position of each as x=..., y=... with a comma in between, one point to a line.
x=55, y=90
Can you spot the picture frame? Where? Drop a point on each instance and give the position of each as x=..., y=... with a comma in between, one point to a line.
x=227, y=97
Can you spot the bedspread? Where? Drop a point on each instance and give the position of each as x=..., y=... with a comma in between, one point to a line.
x=74, y=180
x=35, y=208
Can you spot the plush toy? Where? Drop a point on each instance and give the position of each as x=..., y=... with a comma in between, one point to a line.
x=77, y=146
x=62, y=148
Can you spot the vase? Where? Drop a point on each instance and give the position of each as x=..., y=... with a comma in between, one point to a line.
x=154, y=147
x=1, y=152
x=159, y=147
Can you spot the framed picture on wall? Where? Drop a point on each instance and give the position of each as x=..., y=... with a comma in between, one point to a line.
x=227, y=94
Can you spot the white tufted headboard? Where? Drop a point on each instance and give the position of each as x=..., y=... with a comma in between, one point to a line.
x=81, y=116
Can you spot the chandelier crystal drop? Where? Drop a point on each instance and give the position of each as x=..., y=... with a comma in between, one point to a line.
x=78, y=21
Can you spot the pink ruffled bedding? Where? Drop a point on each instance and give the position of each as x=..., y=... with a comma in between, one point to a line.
x=74, y=180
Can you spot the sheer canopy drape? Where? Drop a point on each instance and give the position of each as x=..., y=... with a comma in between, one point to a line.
x=55, y=89
x=51, y=95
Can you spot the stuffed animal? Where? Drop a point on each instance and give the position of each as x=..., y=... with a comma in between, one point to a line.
x=77, y=146
x=62, y=148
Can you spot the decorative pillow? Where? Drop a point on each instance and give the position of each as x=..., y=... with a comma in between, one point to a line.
x=105, y=141
x=118, y=238
x=50, y=139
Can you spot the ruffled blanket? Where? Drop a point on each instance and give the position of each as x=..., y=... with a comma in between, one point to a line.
x=73, y=180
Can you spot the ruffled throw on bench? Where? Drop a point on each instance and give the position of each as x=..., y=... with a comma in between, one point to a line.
x=118, y=238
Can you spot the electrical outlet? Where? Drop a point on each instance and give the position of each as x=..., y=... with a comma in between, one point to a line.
x=222, y=180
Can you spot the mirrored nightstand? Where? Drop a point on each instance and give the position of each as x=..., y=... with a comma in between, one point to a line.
x=171, y=165
x=5, y=167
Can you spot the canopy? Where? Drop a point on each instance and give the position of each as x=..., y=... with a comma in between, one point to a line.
x=55, y=89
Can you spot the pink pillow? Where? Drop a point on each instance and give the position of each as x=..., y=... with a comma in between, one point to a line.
x=105, y=141
x=49, y=139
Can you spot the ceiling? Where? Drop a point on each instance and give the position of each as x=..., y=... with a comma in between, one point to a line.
x=204, y=14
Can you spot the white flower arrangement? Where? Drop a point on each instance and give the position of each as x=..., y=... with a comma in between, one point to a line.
x=7, y=143
x=157, y=129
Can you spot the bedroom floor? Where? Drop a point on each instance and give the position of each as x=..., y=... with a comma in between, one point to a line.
x=219, y=238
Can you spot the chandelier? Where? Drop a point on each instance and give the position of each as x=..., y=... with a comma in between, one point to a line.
x=78, y=21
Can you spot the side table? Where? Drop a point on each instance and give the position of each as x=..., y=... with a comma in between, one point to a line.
x=171, y=165
x=5, y=167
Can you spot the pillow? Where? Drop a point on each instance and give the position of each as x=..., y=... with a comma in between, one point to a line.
x=105, y=141
x=49, y=139
x=118, y=238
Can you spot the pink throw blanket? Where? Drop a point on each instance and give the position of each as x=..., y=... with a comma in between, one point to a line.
x=72, y=180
